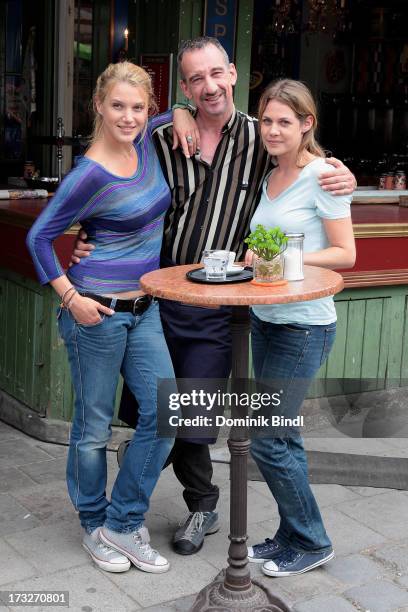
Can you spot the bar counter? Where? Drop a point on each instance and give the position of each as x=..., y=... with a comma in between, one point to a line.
x=16, y=218
x=381, y=233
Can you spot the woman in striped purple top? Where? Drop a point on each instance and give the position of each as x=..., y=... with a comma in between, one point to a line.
x=118, y=194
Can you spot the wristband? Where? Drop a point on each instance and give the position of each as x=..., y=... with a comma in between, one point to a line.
x=64, y=295
x=184, y=106
x=67, y=305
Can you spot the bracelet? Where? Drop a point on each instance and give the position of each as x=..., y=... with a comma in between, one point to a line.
x=184, y=106
x=64, y=295
x=67, y=305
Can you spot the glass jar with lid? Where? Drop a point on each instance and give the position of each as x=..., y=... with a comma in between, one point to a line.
x=293, y=257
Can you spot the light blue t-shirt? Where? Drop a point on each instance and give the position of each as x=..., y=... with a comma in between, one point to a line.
x=301, y=208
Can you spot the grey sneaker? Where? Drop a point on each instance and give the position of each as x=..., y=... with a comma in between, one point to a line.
x=105, y=557
x=135, y=545
x=189, y=538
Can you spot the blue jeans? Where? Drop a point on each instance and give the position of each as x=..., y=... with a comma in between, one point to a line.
x=134, y=346
x=293, y=354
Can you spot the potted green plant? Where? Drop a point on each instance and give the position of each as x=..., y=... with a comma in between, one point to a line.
x=268, y=246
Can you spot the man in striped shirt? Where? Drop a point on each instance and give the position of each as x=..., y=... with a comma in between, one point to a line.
x=214, y=195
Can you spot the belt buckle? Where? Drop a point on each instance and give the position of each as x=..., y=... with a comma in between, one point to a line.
x=140, y=298
x=135, y=301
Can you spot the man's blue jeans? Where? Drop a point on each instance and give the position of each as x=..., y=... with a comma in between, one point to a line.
x=133, y=345
x=291, y=354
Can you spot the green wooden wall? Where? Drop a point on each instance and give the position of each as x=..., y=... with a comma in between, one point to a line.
x=370, y=349
x=243, y=53
x=157, y=26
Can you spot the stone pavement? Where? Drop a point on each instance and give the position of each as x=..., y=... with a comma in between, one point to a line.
x=40, y=541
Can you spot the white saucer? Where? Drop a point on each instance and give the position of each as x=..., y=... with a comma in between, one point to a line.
x=235, y=270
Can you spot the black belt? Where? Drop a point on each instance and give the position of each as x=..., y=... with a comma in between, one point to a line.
x=136, y=305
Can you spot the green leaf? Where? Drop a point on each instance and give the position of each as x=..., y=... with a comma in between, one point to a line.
x=266, y=243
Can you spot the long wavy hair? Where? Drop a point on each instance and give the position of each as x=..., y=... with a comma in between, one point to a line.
x=122, y=72
x=298, y=97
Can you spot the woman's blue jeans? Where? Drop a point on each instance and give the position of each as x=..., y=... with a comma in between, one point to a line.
x=291, y=354
x=133, y=345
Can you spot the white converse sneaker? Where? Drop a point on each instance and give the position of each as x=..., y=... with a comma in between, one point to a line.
x=104, y=556
x=135, y=545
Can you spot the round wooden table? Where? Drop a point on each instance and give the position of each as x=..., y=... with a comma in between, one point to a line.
x=234, y=589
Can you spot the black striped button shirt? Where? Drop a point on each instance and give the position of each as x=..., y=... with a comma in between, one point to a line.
x=212, y=205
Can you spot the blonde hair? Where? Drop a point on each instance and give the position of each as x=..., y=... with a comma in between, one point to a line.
x=122, y=72
x=299, y=98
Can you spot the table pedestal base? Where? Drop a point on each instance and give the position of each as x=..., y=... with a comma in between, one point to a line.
x=216, y=597
x=233, y=588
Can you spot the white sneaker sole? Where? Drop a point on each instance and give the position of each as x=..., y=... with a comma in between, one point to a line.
x=116, y=568
x=145, y=567
x=277, y=574
x=253, y=560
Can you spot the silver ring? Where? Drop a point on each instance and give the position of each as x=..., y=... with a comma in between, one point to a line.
x=189, y=139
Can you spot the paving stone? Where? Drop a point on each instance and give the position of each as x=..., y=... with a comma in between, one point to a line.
x=353, y=569
x=14, y=517
x=162, y=520
x=49, y=552
x=184, y=604
x=259, y=507
x=403, y=581
x=303, y=586
x=167, y=486
x=380, y=447
x=215, y=548
x=385, y=513
x=260, y=487
x=395, y=555
x=379, y=596
x=12, y=479
x=46, y=471
x=90, y=590
x=221, y=474
x=13, y=566
x=349, y=535
x=332, y=494
x=49, y=503
x=258, y=532
x=15, y=453
x=320, y=604
x=401, y=443
x=9, y=433
x=187, y=576
x=53, y=450
x=60, y=547
x=368, y=491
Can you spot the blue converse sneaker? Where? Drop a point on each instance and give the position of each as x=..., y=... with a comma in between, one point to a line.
x=259, y=553
x=291, y=562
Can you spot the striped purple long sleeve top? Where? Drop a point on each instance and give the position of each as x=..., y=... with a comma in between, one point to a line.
x=123, y=218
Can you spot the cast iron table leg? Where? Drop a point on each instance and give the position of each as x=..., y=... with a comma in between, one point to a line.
x=233, y=589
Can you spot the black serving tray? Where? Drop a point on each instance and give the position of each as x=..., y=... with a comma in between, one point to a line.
x=198, y=276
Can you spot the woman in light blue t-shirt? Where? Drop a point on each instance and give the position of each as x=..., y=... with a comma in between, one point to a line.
x=291, y=341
